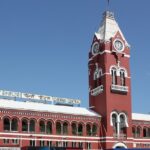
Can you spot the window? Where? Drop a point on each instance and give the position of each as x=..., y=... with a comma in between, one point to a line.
x=138, y=131
x=58, y=128
x=58, y=144
x=74, y=129
x=6, y=123
x=14, y=125
x=73, y=144
x=80, y=145
x=114, y=76
x=49, y=127
x=32, y=143
x=145, y=132
x=134, y=131
x=148, y=132
x=24, y=125
x=89, y=146
x=65, y=144
x=6, y=141
x=88, y=130
x=42, y=126
x=94, y=130
x=65, y=128
x=42, y=143
x=80, y=129
x=122, y=77
x=32, y=126
x=97, y=75
x=122, y=124
x=114, y=122
x=15, y=141
x=49, y=143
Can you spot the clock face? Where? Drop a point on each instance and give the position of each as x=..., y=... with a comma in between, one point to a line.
x=95, y=48
x=119, y=46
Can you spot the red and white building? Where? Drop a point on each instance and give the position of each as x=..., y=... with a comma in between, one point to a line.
x=109, y=123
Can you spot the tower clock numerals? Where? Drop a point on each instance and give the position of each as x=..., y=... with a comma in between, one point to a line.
x=118, y=45
x=95, y=48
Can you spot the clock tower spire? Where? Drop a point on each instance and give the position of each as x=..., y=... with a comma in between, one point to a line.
x=109, y=80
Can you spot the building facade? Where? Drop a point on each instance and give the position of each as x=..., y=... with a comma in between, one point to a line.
x=109, y=123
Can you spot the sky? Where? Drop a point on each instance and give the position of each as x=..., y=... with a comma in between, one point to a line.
x=44, y=46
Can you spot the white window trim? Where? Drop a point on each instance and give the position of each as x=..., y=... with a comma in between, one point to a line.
x=118, y=69
x=97, y=73
x=114, y=112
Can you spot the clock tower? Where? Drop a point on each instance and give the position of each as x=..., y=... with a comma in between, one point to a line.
x=110, y=83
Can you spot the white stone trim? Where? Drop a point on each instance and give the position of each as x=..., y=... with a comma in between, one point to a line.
x=118, y=69
x=128, y=56
x=141, y=139
x=114, y=112
x=109, y=52
x=48, y=136
x=108, y=73
x=97, y=72
x=62, y=140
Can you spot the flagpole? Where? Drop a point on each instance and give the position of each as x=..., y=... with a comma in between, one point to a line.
x=108, y=1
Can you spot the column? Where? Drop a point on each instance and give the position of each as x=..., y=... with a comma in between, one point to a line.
x=91, y=134
x=118, y=129
x=61, y=129
x=83, y=130
x=10, y=125
x=77, y=129
x=28, y=126
x=45, y=127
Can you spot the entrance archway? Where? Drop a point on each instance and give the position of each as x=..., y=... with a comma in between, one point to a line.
x=119, y=145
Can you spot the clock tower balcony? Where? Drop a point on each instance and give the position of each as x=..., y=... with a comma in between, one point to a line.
x=97, y=90
x=120, y=136
x=119, y=88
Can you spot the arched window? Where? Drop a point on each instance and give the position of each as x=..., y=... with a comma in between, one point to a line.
x=94, y=130
x=148, y=132
x=58, y=128
x=24, y=125
x=114, y=76
x=80, y=129
x=122, y=124
x=42, y=126
x=114, y=122
x=134, y=131
x=65, y=128
x=97, y=75
x=6, y=124
x=122, y=77
x=32, y=125
x=14, y=124
x=138, y=131
x=145, y=132
x=88, y=130
x=74, y=129
x=49, y=127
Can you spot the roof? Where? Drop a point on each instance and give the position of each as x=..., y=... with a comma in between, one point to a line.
x=108, y=28
x=41, y=107
x=141, y=117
